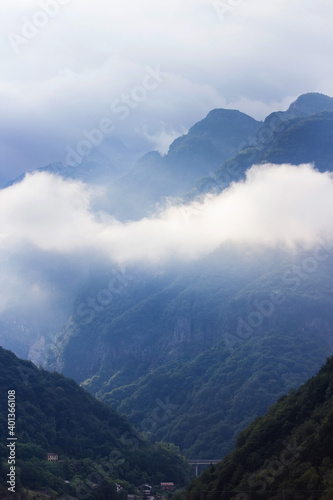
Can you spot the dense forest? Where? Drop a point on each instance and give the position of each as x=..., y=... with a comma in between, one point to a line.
x=183, y=339
x=286, y=454
x=100, y=454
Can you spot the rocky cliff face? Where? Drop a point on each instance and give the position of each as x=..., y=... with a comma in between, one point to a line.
x=216, y=346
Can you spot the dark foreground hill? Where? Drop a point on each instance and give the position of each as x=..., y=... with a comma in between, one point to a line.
x=101, y=455
x=288, y=454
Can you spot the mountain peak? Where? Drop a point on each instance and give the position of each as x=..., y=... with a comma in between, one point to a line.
x=310, y=103
x=218, y=112
x=221, y=119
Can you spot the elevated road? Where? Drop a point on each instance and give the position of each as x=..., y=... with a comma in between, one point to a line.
x=204, y=461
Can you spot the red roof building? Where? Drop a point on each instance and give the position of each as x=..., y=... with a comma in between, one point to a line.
x=167, y=486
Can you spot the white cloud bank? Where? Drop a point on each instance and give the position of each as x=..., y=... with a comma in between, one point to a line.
x=277, y=205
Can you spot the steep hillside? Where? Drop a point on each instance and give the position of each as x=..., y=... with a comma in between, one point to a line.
x=305, y=140
x=97, y=447
x=257, y=350
x=210, y=142
x=286, y=454
x=205, y=343
x=149, y=320
x=302, y=134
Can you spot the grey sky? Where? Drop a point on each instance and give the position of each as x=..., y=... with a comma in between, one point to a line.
x=68, y=64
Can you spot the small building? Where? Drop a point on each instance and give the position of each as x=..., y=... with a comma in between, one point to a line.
x=52, y=457
x=167, y=486
x=146, y=488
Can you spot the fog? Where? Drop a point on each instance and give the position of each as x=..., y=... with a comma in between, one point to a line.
x=277, y=205
x=53, y=242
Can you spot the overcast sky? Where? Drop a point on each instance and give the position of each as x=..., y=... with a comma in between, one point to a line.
x=150, y=68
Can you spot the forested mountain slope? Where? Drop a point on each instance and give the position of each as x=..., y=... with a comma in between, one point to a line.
x=95, y=445
x=219, y=349
x=288, y=453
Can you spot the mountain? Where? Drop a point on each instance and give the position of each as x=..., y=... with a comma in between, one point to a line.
x=210, y=142
x=92, y=163
x=192, y=339
x=310, y=104
x=305, y=140
x=202, y=150
x=305, y=105
x=180, y=333
x=302, y=134
x=100, y=454
x=288, y=453
x=219, y=340
x=215, y=152
x=135, y=184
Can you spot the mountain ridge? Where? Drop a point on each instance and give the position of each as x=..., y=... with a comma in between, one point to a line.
x=92, y=440
x=298, y=460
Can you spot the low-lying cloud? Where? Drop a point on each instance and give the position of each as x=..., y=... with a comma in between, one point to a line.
x=277, y=205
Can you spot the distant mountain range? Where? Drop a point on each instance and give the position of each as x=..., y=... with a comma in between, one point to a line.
x=216, y=151
x=201, y=151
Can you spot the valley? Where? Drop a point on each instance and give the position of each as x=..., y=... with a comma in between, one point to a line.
x=191, y=333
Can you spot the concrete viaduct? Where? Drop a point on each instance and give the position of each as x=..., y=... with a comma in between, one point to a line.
x=196, y=464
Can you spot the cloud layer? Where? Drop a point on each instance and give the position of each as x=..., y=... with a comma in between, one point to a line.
x=277, y=205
